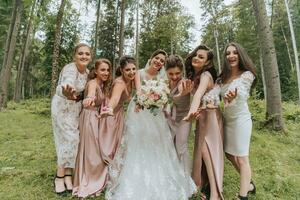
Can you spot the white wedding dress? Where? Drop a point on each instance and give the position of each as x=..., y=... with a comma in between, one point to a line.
x=146, y=166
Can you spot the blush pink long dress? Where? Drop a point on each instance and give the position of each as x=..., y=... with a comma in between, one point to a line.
x=111, y=127
x=209, y=131
x=90, y=169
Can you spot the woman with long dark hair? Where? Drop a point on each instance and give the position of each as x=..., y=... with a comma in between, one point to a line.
x=208, y=162
x=112, y=115
x=237, y=78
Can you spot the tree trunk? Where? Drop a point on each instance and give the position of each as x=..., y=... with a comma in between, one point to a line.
x=122, y=28
x=25, y=51
x=98, y=14
x=288, y=49
x=261, y=62
x=216, y=35
x=294, y=47
x=56, y=45
x=9, y=51
x=137, y=34
x=274, y=108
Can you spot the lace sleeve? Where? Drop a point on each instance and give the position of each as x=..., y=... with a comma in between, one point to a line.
x=246, y=81
x=212, y=96
x=67, y=77
x=243, y=85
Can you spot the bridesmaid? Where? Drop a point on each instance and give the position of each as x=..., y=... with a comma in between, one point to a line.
x=180, y=92
x=208, y=146
x=237, y=78
x=90, y=170
x=65, y=109
x=112, y=116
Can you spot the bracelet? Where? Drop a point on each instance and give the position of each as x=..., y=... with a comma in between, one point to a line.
x=107, y=108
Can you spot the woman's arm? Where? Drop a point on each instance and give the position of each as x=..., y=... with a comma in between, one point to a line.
x=89, y=100
x=184, y=88
x=137, y=81
x=117, y=90
x=204, y=82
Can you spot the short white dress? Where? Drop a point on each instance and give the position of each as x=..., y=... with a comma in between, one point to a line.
x=237, y=117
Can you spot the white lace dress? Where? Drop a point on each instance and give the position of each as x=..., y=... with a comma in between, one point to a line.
x=65, y=116
x=238, y=123
x=146, y=167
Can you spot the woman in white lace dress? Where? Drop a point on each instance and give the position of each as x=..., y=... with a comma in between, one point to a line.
x=65, y=109
x=237, y=78
x=146, y=166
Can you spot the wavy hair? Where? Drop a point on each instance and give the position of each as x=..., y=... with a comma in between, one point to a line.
x=190, y=72
x=245, y=63
x=93, y=75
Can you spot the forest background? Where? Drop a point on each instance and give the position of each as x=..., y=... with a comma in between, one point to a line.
x=37, y=38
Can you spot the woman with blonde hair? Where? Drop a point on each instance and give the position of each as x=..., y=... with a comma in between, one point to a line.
x=65, y=108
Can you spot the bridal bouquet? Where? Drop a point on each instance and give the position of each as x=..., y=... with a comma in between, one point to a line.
x=154, y=94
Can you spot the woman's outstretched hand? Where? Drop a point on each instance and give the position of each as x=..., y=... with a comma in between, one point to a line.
x=106, y=111
x=69, y=92
x=190, y=116
x=185, y=88
x=229, y=97
x=88, y=101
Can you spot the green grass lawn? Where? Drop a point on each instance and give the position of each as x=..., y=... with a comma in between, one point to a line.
x=27, y=155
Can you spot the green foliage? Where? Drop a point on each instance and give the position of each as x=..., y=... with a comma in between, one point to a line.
x=236, y=22
x=5, y=15
x=43, y=49
x=108, y=34
x=286, y=66
x=164, y=26
x=27, y=154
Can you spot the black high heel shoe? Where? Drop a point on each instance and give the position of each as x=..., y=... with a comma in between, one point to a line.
x=253, y=191
x=62, y=193
x=68, y=190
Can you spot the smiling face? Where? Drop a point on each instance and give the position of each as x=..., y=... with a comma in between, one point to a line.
x=103, y=72
x=158, y=61
x=129, y=72
x=232, y=56
x=174, y=74
x=200, y=60
x=83, y=56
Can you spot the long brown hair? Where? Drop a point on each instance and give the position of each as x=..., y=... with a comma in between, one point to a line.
x=245, y=63
x=190, y=72
x=93, y=75
x=124, y=61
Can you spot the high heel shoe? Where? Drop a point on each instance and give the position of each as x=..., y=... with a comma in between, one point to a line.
x=68, y=189
x=62, y=193
x=253, y=191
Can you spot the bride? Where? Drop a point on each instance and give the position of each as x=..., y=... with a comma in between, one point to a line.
x=146, y=166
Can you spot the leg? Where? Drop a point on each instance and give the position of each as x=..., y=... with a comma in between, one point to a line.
x=245, y=173
x=59, y=184
x=68, y=178
x=181, y=144
x=214, y=194
x=197, y=162
x=234, y=162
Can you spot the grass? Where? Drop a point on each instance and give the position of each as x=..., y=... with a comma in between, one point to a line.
x=27, y=154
